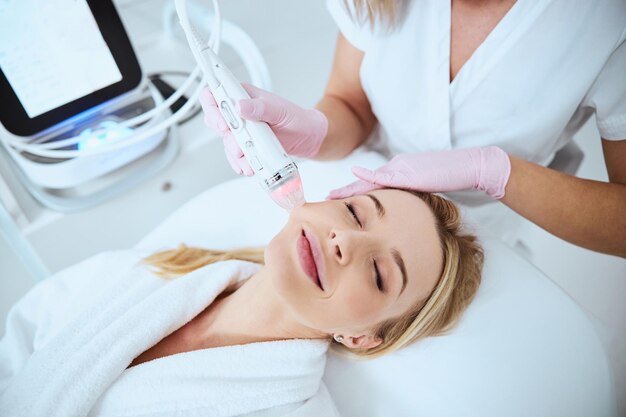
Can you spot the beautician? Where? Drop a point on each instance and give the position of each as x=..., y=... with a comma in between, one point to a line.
x=470, y=95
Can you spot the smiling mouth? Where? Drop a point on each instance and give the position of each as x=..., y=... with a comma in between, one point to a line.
x=307, y=260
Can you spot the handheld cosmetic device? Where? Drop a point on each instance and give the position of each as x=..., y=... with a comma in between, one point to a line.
x=275, y=170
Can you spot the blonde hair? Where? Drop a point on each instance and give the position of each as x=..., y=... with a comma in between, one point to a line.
x=385, y=12
x=457, y=285
x=176, y=262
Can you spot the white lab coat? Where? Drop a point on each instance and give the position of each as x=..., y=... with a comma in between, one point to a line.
x=528, y=88
x=71, y=338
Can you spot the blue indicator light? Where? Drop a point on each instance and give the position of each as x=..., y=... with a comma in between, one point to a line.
x=107, y=131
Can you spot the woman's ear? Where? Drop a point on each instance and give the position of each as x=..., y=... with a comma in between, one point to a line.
x=364, y=341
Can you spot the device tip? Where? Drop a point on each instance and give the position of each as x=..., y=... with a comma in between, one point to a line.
x=290, y=194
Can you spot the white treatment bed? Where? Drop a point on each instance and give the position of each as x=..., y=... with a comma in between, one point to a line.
x=523, y=348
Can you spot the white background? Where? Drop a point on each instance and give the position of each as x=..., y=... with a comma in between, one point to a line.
x=297, y=39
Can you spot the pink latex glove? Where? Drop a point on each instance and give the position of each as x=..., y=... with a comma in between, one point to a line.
x=486, y=169
x=300, y=131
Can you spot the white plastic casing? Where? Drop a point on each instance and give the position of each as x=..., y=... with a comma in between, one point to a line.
x=258, y=142
x=276, y=172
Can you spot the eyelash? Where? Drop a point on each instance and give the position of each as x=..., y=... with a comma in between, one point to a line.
x=350, y=208
x=379, y=280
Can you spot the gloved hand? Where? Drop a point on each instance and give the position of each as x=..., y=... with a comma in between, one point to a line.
x=300, y=131
x=486, y=169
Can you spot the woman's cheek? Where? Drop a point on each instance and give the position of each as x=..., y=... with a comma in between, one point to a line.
x=361, y=306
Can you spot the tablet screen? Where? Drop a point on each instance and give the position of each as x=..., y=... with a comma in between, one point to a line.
x=60, y=57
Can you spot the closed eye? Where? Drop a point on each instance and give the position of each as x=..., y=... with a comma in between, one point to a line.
x=350, y=208
x=379, y=278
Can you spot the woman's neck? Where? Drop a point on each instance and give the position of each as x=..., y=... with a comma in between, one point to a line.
x=252, y=313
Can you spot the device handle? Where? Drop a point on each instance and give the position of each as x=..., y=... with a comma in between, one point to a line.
x=256, y=139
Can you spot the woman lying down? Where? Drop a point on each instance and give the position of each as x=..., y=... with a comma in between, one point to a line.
x=197, y=332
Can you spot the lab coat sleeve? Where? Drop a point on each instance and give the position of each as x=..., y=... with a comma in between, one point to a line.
x=607, y=96
x=50, y=304
x=357, y=33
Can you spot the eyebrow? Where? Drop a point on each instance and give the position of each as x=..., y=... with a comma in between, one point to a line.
x=400, y=262
x=395, y=254
x=379, y=207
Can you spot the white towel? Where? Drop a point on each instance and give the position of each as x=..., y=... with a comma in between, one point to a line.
x=79, y=368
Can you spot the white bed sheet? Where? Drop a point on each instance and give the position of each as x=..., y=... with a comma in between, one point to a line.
x=523, y=348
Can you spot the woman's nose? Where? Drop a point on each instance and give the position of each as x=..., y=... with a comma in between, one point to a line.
x=341, y=245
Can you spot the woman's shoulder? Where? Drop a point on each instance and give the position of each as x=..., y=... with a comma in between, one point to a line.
x=47, y=306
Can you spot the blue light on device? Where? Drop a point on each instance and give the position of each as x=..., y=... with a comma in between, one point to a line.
x=108, y=131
